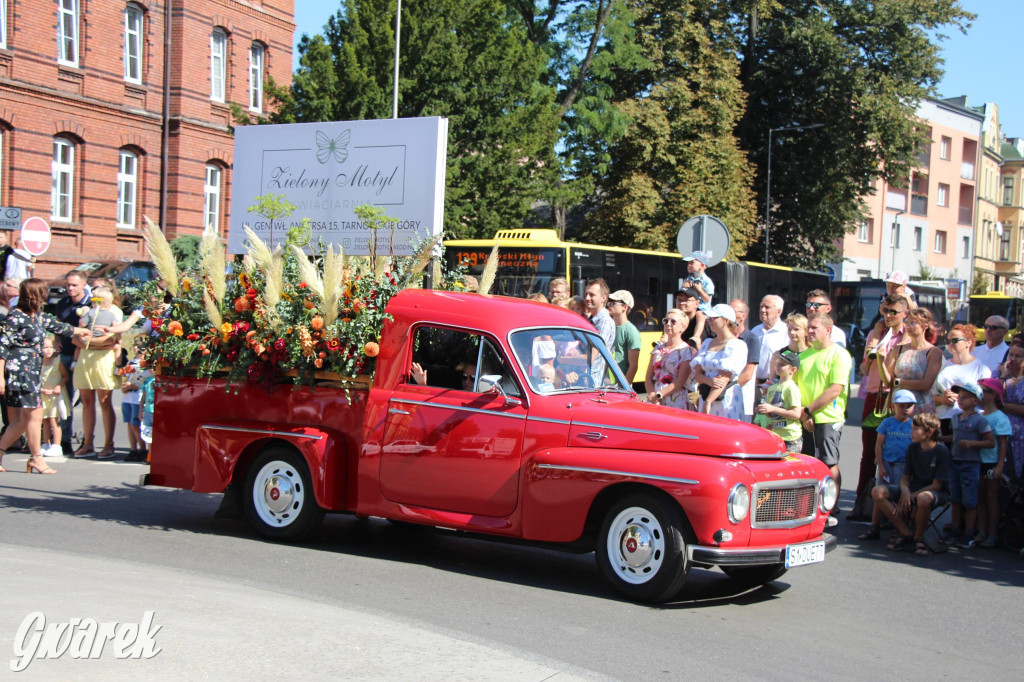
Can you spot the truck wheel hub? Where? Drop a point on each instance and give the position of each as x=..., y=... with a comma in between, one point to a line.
x=278, y=494
x=636, y=545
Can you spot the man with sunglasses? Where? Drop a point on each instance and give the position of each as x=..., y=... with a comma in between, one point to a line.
x=818, y=303
x=993, y=351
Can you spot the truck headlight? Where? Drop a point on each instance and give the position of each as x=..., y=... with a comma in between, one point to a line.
x=829, y=494
x=739, y=503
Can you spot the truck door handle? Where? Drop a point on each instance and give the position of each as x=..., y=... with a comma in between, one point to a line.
x=395, y=410
x=593, y=435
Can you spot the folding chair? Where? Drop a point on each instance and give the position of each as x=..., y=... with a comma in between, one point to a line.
x=936, y=516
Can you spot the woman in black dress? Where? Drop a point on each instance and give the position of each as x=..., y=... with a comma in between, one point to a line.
x=21, y=362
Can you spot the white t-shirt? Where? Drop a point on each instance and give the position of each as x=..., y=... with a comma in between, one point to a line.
x=17, y=267
x=953, y=375
x=838, y=336
x=992, y=357
x=773, y=339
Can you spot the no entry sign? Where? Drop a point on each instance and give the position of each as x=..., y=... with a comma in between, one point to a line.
x=35, y=236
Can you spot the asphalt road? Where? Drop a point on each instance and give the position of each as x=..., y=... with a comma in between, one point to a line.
x=367, y=599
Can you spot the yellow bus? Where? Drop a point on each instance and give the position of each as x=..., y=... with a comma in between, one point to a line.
x=531, y=258
x=983, y=306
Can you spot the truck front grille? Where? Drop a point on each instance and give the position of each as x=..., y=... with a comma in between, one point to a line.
x=785, y=504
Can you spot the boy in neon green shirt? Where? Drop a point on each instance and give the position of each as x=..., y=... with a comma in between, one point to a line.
x=780, y=411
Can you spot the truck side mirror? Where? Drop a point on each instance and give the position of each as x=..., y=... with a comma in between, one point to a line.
x=493, y=383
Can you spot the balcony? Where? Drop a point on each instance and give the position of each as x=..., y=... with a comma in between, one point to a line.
x=919, y=204
x=965, y=216
x=967, y=170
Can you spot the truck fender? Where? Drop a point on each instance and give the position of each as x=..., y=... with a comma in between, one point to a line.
x=224, y=450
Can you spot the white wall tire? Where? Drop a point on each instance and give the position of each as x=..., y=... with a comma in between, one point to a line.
x=641, y=549
x=278, y=496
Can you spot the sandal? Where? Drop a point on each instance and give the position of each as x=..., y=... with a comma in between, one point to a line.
x=83, y=452
x=872, y=534
x=899, y=542
x=921, y=548
x=106, y=453
x=32, y=468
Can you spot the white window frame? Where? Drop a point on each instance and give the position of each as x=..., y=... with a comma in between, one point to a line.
x=945, y=143
x=865, y=232
x=127, y=188
x=942, y=195
x=3, y=23
x=257, y=58
x=940, y=241
x=918, y=238
x=62, y=172
x=133, y=42
x=218, y=61
x=67, y=44
x=894, y=236
x=211, y=198
x=965, y=244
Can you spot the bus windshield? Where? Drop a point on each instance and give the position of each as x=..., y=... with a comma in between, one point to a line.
x=521, y=271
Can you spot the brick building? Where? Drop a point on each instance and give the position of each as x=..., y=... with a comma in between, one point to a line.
x=108, y=112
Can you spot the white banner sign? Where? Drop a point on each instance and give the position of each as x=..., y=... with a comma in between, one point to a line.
x=327, y=169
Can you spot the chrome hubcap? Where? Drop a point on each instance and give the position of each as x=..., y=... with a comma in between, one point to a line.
x=636, y=545
x=277, y=493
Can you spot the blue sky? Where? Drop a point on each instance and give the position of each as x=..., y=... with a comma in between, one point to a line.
x=977, y=64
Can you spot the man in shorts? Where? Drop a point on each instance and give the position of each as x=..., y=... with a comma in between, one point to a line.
x=823, y=381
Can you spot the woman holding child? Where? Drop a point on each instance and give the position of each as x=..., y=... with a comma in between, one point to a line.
x=95, y=374
x=669, y=369
x=717, y=365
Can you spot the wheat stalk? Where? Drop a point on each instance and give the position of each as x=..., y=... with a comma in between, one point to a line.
x=260, y=255
x=161, y=255
x=424, y=255
x=212, y=311
x=490, y=272
x=334, y=277
x=212, y=265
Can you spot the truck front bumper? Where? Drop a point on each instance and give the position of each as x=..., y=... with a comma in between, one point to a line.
x=746, y=556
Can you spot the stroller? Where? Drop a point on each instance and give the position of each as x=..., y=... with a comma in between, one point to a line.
x=1011, y=521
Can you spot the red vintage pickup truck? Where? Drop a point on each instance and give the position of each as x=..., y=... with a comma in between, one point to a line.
x=505, y=417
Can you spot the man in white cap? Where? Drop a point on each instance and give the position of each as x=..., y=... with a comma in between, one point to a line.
x=824, y=386
x=992, y=352
x=627, y=336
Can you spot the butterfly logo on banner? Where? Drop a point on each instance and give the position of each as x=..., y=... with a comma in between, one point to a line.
x=326, y=146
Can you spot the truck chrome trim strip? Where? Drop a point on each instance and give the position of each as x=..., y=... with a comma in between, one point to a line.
x=218, y=427
x=630, y=474
x=459, y=408
x=562, y=422
x=746, y=556
x=632, y=430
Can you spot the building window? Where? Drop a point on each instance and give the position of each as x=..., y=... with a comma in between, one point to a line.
x=211, y=194
x=127, y=188
x=944, y=144
x=894, y=239
x=865, y=231
x=965, y=247
x=218, y=52
x=133, y=44
x=3, y=23
x=942, y=197
x=1008, y=191
x=63, y=171
x=67, y=32
x=1004, y=244
x=940, y=241
x=256, y=77
x=918, y=238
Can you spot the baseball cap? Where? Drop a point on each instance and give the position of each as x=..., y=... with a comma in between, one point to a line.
x=701, y=256
x=723, y=310
x=691, y=292
x=897, y=277
x=789, y=356
x=904, y=397
x=622, y=296
x=970, y=387
x=994, y=385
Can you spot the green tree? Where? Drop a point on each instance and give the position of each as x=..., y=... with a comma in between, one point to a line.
x=859, y=68
x=467, y=60
x=678, y=157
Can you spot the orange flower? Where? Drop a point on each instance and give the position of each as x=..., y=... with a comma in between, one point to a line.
x=371, y=349
x=241, y=304
x=174, y=327
x=318, y=363
x=317, y=323
x=309, y=304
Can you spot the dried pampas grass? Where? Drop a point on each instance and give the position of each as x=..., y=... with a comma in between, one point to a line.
x=260, y=256
x=308, y=272
x=161, y=255
x=333, y=280
x=490, y=272
x=212, y=265
x=424, y=254
x=212, y=310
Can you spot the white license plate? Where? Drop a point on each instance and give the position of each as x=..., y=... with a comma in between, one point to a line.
x=806, y=553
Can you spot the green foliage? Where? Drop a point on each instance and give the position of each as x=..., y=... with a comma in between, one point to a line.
x=981, y=284
x=925, y=273
x=272, y=207
x=186, y=251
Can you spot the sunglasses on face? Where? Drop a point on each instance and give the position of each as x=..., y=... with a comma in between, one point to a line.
x=468, y=377
x=953, y=341
x=992, y=327
x=669, y=320
x=815, y=306
x=892, y=311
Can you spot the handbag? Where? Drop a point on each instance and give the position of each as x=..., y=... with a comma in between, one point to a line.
x=881, y=410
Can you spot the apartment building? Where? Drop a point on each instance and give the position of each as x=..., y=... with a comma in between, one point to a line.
x=112, y=110
x=924, y=225
x=1011, y=214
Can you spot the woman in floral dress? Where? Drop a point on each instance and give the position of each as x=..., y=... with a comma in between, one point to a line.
x=1013, y=406
x=21, y=363
x=915, y=362
x=669, y=369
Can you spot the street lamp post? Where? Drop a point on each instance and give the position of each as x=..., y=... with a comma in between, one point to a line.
x=768, y=182
x=894, y=238
x=398, y=38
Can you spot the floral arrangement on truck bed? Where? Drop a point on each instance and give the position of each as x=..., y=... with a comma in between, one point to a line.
x=282, y=314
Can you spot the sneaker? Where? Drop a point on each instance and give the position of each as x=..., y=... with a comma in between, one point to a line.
x=966, y=542
x=53, y=450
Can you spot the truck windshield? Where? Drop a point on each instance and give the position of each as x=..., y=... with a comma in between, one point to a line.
x=564, y=360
